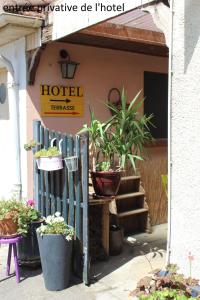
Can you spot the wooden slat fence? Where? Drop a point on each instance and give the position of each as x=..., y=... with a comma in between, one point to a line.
x=66, y=192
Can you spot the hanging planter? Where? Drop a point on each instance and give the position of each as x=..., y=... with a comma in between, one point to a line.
x=50, y=163
x=49, y=159
x=71, y=163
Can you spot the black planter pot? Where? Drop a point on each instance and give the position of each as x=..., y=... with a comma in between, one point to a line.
x=55, y=253
x=106, y=183
x=28, y=250
x=116, y=240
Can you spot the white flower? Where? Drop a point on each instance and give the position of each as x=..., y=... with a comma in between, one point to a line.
x=68, y=238
x=58, y=220
x=43, y=228
x=57, y=214
x=49, y=219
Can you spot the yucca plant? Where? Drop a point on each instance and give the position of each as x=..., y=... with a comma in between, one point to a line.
x=100, y=142
x=130, y=130
x=120, y=140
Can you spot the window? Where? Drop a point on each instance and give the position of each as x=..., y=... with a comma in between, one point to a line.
x=156, y=102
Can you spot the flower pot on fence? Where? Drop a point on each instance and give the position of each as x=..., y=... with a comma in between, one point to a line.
x=55, y=253
x=28, y=249
x=71, y=163
x=52, y=163
x=8, y=227
x=106, y=183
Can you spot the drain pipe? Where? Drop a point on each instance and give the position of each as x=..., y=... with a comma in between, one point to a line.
x=13, y=96
x=169, y=132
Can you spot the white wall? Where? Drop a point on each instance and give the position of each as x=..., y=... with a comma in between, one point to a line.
x=65, y=23
x=185, y=136
x=15, y=53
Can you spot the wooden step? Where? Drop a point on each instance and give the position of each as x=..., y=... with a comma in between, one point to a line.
x=132, y=212
x=129, y=184
x=129, y=195
x=128, y=178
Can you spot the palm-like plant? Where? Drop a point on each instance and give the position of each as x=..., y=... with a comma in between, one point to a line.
x=130, y=130
x=122, y=136
x=99, y=140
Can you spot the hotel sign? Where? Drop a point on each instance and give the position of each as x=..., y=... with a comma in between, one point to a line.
x=61, y=101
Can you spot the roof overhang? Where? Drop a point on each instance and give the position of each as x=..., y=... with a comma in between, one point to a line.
x=13, y=27
x=117, y=37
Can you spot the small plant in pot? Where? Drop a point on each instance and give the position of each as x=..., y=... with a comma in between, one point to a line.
x=49, y=159
x=55, y=239
x=117, y=143
x=14, y=218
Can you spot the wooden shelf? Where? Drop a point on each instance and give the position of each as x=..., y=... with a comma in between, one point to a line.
x=132, y=209
x=130, y=195
x=127, y=178
x=133, y=212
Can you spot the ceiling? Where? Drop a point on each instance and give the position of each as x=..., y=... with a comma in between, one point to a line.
x=135, y=19
x=120, y=33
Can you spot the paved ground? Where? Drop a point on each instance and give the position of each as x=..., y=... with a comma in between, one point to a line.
x=113, y=279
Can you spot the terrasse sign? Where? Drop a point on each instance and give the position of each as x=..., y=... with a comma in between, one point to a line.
x=61, y=101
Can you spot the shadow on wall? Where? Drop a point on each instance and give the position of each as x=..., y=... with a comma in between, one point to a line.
x=192, y=29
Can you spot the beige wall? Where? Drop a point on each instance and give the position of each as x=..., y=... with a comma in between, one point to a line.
x=98, y=72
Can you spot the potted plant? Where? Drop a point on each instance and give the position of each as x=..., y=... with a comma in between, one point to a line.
x=49, y=159
x=55, y=245
x=167, y=284
x=28, y=250
x=117, y=143
x=12, y=222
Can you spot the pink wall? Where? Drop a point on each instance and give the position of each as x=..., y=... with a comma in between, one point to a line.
x=98, y=72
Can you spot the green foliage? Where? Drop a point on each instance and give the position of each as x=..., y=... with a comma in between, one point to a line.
x=169, y=286
x=172, y=268
x=104, y=166
x=30, y=145
x=51, y=151
x=167, y=294
x=20, y=212
x=123, y=136
x=130, y=130
x=55, y=224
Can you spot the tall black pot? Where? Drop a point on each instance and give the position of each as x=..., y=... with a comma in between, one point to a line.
x=55, y=253
x=28, y=250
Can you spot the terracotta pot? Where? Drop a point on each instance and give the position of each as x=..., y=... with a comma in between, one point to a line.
x=8, y=227
x=106, y=183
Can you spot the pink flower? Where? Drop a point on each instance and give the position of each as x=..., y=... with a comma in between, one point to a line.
x=190, y=256
x=30, y=202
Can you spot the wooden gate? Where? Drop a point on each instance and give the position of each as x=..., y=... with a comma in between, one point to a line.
x=66, y=192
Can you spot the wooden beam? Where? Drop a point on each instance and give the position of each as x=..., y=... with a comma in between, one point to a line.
x=33, y=63
x=119, y=32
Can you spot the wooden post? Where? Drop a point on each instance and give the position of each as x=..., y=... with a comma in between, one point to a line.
x=105, y=227
x=36, y=137
x=85, y=182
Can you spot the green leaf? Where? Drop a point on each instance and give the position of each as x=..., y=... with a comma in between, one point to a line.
x=134, y=100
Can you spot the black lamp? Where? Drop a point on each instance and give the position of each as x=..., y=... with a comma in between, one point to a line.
x=68, y=67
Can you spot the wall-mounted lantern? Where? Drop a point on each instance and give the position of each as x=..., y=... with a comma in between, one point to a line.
x=68, y=67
